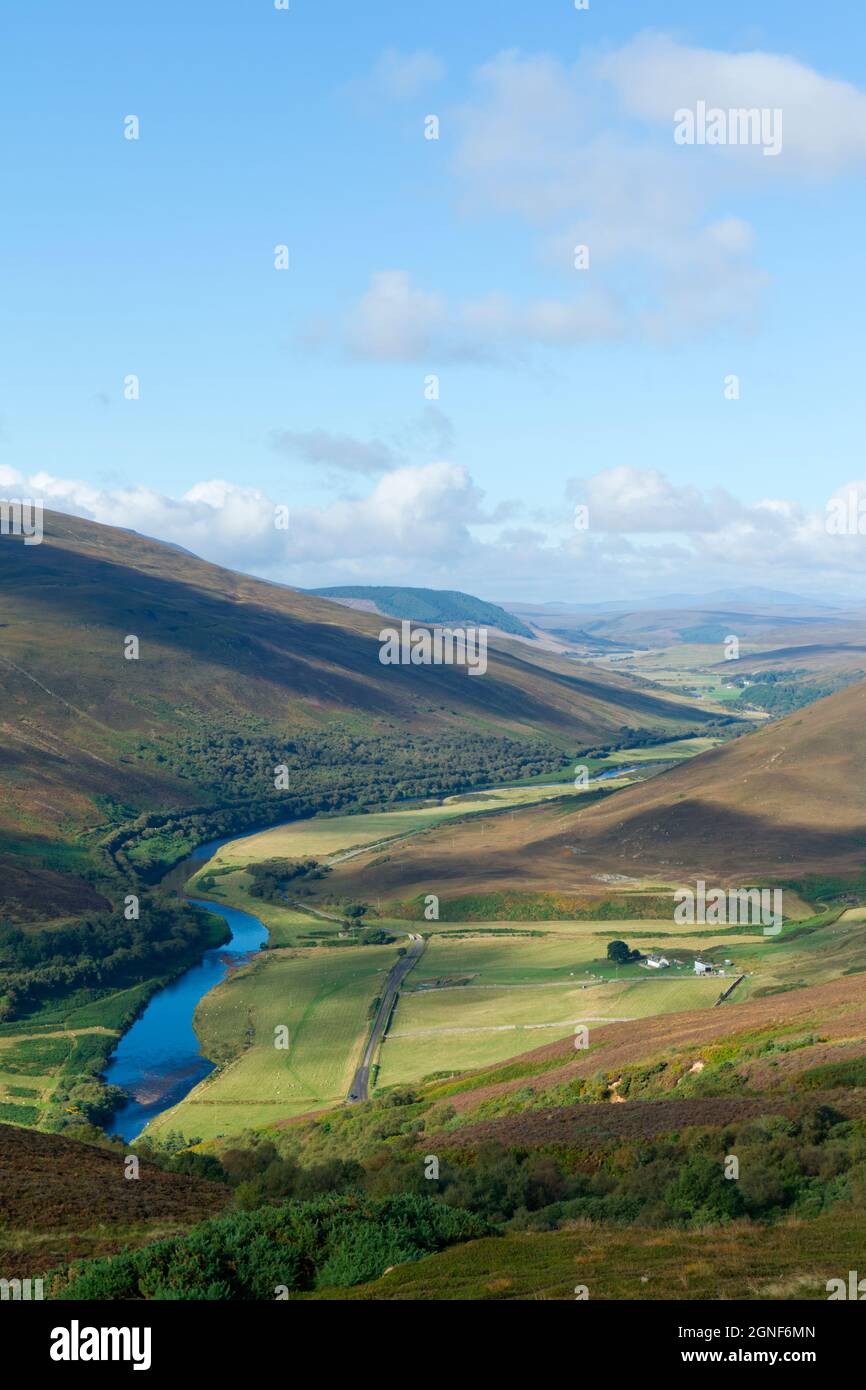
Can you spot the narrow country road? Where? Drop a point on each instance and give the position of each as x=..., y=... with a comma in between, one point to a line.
x=361, y=1080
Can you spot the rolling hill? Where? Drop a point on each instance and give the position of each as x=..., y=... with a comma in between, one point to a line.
x=115, y=766
x=786, y=800
x=427, y=606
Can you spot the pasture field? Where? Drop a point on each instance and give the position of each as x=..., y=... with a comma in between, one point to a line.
x=522, y=992
x=806, y=955
x=405, y=1061
x=35, y=1065
x=428, y=1034
x=554, y=951
x=678, y=750
x=322, y=996
x=323, y=837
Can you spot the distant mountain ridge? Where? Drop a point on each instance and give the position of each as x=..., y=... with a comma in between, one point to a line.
x=753, y=597
x=428, y=605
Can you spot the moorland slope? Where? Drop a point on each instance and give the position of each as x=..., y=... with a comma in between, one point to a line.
x=785, y=801
x=143, y=757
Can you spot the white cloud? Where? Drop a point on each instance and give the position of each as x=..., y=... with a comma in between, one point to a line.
x=394, y=321
x=399, y=76
x=429, y=524
x=637, y=501
x=823, y=118
x=417, y=512
x=557, y=146
x=540, y=140
x=397, y=322
x=521, y=138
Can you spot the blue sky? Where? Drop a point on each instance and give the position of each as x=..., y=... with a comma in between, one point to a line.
x=454, y=257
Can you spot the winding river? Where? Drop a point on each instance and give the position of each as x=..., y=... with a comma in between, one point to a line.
x=159, y=1060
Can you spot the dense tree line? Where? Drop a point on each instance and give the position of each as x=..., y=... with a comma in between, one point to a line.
x=97, y=952
x=331, y=771
x=796, y=1164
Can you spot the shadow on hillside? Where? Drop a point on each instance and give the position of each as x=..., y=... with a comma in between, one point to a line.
x=307, y=658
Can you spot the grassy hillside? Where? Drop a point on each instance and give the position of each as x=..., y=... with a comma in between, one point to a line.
x=323, y=996
x=118, y=765
x=793, y=1261
x=783, y=802
x=429, y=606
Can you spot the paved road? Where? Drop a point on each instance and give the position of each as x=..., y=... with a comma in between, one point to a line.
x=358, y=1090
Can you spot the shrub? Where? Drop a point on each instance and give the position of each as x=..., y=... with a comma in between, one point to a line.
x=331, y=1241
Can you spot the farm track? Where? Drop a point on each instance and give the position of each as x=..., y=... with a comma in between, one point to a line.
x=359, y=1089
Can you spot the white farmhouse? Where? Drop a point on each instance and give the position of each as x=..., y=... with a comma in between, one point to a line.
x=657, y=962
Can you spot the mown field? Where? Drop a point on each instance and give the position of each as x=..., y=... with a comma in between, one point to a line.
x=463, y=1028
x=322, y=996
x=324, y=836
x=676, y=751
x=474, y=1000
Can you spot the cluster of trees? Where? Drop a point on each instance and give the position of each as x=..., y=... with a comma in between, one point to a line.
x=781, y=692
x=97, y=952
x=260, y=1175
x=337, y=767
x=329, y=771
x=621, y=953
x=797, y=1164
x=271, y=877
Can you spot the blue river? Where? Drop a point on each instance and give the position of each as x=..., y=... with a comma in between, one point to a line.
x=159, y=1060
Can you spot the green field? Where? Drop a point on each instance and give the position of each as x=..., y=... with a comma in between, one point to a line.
x=322, y=996
x=286, y=925
x=554, y=951
x=46, y=1072
x=477, y=1000
x=678, y=750
x=326, y=837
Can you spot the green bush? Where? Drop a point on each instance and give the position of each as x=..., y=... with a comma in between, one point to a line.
x=332, y=1241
